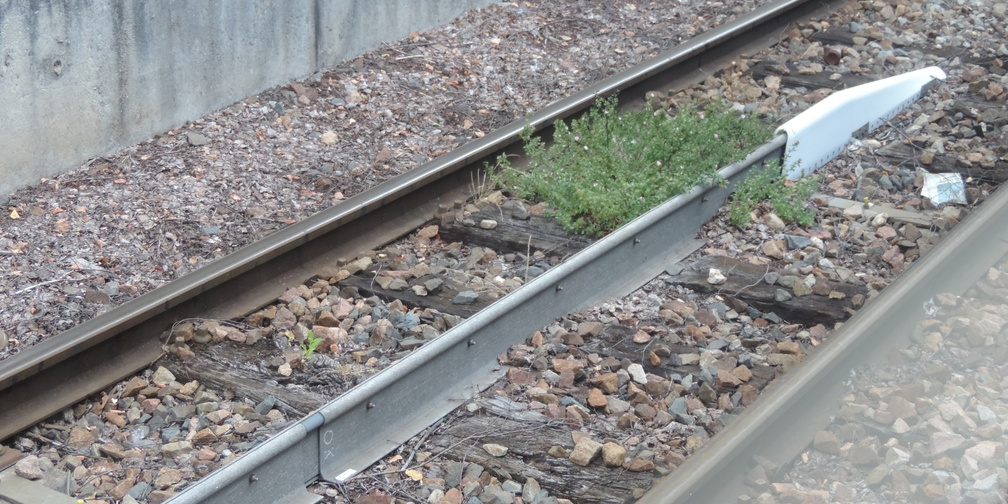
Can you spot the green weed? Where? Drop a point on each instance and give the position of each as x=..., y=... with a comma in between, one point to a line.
x=607, y=167
x=769, y=184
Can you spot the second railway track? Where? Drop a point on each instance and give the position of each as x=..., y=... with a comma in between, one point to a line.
x=278, y=470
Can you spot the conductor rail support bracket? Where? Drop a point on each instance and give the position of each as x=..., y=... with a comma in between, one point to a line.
x=819, y=134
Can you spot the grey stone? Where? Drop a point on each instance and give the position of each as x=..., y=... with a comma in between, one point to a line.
x=877, y=475
x=28, y=468
x=453, y=474
x=170, y=432
x=495, y=495
x=986, y=414
x=433, y=285
x=795, y=242
x=530, y=491
x=265, y=405
x=707, y=393
x=718, y=308
x=472, y=471
x=398, y=284
x=512, y=486
x=162, y=376
x=467, y=297
x=196, y=139
x=637, y=373
x=986, y=484
x=886, y=183
x=140, y=490
x=718, y=344
x=411, y=343
x=679, y=411
x=782, y=295
x=533, y=271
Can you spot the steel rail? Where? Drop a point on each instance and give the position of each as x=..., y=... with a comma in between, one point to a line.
x=785, y=418
x=395, y=404
x=114, y=345
x=389, y=408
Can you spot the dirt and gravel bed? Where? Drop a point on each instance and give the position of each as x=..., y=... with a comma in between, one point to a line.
x=77, y=244
x=644, y=422
x=228, y=385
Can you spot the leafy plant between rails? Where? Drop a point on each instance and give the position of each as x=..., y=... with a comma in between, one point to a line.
x=309, y=345
x=769, y=184
x=607, y=167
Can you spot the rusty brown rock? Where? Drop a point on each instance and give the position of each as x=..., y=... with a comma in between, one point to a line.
x=613, y=454
x=585, y=451
x=638, y=465
x=790, y=347
x=133, y=386
x=519, y=376
x=327, y=318
x=773, y=249
x=826, y=442
x=749, y=394
x=596, y=399
x=590, y=328
x=725, y=379
x=574, y=365
x=566, y=379
x=572, y=339
x=115, y=417
x=608, y=383
x=742, y=372
x=204, y=436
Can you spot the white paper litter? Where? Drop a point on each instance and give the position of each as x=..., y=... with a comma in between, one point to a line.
x=943, y=188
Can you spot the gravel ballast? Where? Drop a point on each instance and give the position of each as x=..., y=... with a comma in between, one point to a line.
x=271, y=159
x=79, y=243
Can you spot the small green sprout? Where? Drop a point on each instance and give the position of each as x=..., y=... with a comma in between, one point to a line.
x=310, y=344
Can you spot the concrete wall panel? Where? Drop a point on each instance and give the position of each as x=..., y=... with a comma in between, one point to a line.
x=84, y=78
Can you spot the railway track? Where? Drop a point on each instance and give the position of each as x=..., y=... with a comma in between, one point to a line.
x=127, y=338
x=467, y=355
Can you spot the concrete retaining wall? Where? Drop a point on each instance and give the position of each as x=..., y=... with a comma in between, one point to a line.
x=83, y=78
